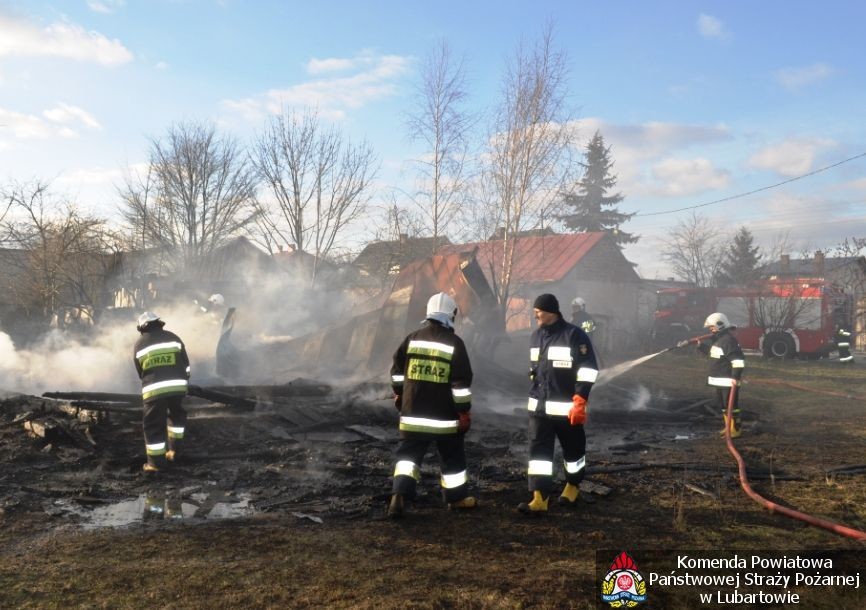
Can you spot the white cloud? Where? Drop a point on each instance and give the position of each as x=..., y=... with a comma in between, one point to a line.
x=371, y=77
x=816, y=220
x=334, y=64
x=635, y=147
x=91, y=176
x=249, y=109
x=683, y=177
x=65, y=113
x=854, y=185
x=56, y=123
x=65, y=40
x=795, y=79
x=711, y=27
x=160, y=65
x=792, y=157
x=106, y=7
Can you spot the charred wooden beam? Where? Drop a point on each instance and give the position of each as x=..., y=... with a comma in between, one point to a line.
x=221, y=397
x=133, y=399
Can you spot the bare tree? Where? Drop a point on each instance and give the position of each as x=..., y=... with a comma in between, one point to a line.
x=442, y=125
x=319, y=180
x=63, y=255
x=198, y=191
x=695, y=249
x=527, y=157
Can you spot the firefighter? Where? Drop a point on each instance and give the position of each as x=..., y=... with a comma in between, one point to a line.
x=726, y=367
x=431, y=376
x=843, y=338
x=562, y=369
x=163, y=366
x=580, y=318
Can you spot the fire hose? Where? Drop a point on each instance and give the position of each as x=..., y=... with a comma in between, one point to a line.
x=788, y=512
x=836, y=528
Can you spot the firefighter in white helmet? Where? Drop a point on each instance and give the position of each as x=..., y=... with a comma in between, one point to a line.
x=580, y=318
x=430, y=377
x=726, y=367
x=163, y=367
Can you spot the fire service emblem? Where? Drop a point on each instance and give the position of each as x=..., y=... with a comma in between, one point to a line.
x=623, y=586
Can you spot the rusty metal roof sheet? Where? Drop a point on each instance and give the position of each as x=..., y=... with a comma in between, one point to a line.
x=545, y=258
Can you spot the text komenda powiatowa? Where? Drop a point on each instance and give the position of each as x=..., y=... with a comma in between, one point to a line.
x=751, y=571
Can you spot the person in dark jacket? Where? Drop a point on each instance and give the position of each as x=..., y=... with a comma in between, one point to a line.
x=431, y=378
x=843, y=337
x=562, y=369
x=580, y=317
x=163, y=367
x=726, y=367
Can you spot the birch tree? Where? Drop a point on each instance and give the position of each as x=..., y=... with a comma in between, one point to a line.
x=528, y=150
x=442, y=124
x=319, y=182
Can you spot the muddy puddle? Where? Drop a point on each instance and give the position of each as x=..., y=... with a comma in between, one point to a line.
x=153, y=507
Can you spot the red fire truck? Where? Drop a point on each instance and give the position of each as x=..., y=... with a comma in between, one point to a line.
x=781, y=318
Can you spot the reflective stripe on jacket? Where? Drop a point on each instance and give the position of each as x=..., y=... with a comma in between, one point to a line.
x=562, y=364
x=432, y=374
x=726, y=359
x=162, y=364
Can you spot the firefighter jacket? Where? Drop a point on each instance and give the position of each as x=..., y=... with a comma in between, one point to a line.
x=583, y=321
x=562, y=364
x=162, y=364
x=843, y=344
x=726, y=359
x=431, y=373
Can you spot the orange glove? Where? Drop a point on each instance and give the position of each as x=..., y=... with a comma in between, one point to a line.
x=464, y=421
x=398, y=402
x=577, y=415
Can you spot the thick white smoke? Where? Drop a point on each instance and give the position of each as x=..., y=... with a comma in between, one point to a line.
x=103, y=361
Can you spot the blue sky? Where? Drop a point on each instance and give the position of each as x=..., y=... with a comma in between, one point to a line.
x=698, y=100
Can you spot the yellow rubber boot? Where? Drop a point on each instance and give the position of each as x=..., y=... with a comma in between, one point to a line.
x=569, y=495
x=537, y=506
x=735, y=430
x=467, y=502
x=396, y=507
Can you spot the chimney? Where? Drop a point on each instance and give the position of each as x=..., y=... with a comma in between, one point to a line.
x=786, y=263
x=404, y=237
x=819, y=263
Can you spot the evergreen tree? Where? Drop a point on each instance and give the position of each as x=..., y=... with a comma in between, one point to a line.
x=740, y=265
x=591, y=208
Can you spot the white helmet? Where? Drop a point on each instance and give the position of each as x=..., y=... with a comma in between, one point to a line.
x=217, y=299
x=719, y=320
x=578, y=302
x=441, y=307
x=147, y=318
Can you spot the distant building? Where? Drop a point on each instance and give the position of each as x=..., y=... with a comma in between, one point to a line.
x=589, y=265
x=384, y=259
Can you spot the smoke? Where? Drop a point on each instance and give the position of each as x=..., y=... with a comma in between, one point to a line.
x=103, y=360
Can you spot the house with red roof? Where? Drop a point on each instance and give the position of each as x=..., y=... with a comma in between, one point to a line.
x=589, y=265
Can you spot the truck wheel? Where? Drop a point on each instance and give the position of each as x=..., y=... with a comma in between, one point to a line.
x=778, y=346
